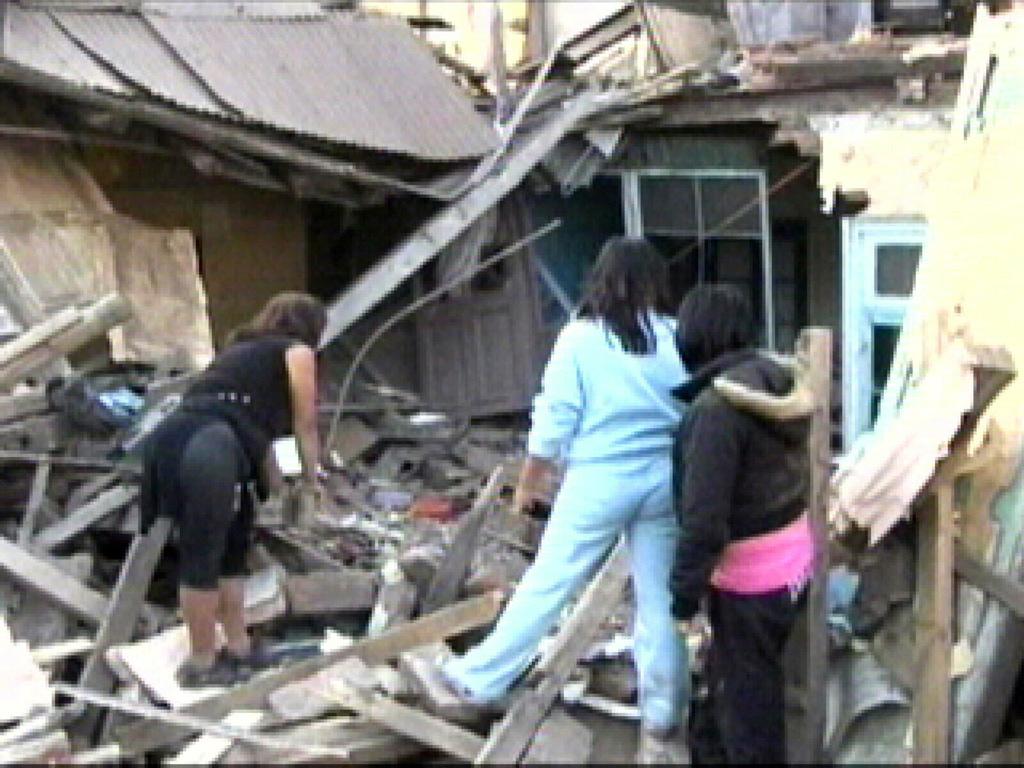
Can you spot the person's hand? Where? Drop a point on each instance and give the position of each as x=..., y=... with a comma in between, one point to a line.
x=696, y=625
x=525, y=496
x=533, y=485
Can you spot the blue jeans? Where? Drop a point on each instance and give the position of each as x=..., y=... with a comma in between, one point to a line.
x=596, y=504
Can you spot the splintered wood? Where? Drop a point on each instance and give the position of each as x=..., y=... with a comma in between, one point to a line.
x=136, y=738
x=509, y=741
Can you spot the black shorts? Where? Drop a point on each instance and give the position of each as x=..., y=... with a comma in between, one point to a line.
x=216, y=519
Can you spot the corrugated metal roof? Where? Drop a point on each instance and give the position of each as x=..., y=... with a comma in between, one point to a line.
x=126, y=43
x=32, y=40
x=345, y=78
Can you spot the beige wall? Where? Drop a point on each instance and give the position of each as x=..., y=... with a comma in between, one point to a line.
x=252, y=242
x=470, y=38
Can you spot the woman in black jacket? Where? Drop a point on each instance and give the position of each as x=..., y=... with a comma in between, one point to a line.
x=741, y=486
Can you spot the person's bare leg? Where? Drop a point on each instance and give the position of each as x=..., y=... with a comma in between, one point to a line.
x=232, y=615
x=199, y=610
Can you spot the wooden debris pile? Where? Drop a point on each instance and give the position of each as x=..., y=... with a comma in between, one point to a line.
x=414, y=546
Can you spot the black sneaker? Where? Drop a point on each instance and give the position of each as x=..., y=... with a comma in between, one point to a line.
x=220, y=674
x=258, y=658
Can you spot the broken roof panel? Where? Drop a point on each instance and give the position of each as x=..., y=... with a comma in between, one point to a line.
x=126, y=43
x=346, y=78
x=33, y=40
x=343, y=77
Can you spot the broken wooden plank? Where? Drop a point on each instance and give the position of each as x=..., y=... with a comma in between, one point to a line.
x=560, y=740
x=35, y=503
x=51, y=654
x=331, y=591
x=510, y=739
x=87, y=491
x=49, y=749
x=23, y=405
x=208, y=748
x=108, y=754
x=38, y=575
x=447, y=622
x=24, y=302
x=39, y=434
x=64, y=332
x=126, y=604
x=424, y=244
x=1004, y=589
x=80, y=462
x=85, y=517
x=351, y=692
x=182, y=720
x=313, y=557
x=367, y=742
x=48, y=720
x=931, y=703
x=444, y=588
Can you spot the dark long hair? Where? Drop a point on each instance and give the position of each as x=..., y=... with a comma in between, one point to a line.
x=629, y=281
x=292, y=314
x=714, y=319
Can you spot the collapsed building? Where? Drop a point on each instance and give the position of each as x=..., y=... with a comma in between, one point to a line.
x=195, y=158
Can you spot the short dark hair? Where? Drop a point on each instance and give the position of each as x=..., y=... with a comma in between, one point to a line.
x=714, y=319
x=629, y=280
x=292, y=314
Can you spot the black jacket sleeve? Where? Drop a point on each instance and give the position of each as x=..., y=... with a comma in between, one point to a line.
x=708, y=455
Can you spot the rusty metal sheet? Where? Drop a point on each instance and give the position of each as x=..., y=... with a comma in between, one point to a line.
x=347, y=78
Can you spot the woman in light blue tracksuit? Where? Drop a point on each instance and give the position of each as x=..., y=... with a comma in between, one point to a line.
x=606, y=409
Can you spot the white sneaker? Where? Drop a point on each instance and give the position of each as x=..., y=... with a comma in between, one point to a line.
x=442, y=697
x=663, y=747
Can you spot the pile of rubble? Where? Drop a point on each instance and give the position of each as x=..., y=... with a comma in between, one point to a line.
x=412, y=545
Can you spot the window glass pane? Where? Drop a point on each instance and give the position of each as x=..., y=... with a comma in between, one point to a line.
x=730, y=207
x=895, y=266
x=737, y=262
x=668, y=205
x=883, y=348
x=683, y=257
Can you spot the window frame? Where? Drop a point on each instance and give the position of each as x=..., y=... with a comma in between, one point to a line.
x=633, y=215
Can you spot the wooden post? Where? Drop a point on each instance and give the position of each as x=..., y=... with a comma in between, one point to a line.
x=126, y=604
x=444, y=587
x=814, y=348
x=933, y=639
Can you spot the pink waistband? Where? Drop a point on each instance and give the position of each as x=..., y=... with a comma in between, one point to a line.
x=771, y=561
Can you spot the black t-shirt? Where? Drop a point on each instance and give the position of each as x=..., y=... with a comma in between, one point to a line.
x=253, y=376
x=245, y=386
